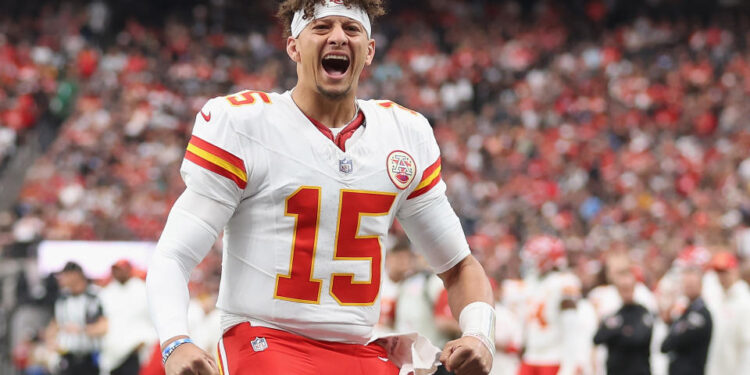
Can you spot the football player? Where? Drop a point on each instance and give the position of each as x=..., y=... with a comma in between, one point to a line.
x=305, y=185
x=551, y=322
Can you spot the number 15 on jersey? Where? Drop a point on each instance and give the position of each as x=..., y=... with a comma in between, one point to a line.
x=304, y=205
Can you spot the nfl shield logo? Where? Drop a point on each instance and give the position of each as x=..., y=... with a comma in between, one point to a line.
x=346, y=166
x=259, y=344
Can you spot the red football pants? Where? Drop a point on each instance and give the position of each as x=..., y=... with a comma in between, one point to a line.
x=527, y=369
x=287, y=353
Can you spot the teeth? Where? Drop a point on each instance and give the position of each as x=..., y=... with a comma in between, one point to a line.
x=337, y=57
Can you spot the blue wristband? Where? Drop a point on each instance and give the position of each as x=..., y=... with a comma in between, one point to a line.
x=171, y=347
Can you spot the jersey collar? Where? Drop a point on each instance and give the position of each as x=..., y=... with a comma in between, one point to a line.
x=345, y=133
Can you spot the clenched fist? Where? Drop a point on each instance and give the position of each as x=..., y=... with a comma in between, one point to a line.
x=467, y=356
x=189, y=359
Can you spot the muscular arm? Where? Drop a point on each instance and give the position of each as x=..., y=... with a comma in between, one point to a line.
x=470, y=299
x=192, y=227
x=435, y=230
x=466, y=283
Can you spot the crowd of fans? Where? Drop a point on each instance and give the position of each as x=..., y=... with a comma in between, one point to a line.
x=34, y=83
x=611, y=131
x=629, y=135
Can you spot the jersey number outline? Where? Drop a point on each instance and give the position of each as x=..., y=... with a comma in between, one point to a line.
x=304, y=205
x=389, y=104
x=537, y=314
x=247, y=97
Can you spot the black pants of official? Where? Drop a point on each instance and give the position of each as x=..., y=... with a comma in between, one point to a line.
x=79, y=364
x=131, y=366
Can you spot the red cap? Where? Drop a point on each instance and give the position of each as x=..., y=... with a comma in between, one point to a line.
x=723, y=260
x=693, y=257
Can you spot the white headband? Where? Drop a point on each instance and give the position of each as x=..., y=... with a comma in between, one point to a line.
x=330, y=8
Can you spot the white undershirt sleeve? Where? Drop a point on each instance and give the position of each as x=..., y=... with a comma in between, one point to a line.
x=434, y=229
x=193, y=225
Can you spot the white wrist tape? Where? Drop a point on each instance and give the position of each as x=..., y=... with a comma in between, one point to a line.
x=478, y=319
x=330, y=8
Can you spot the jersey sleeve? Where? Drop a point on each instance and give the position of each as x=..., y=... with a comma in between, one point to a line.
x=570, y=287
x=213, y=164
x=430, y=184
x=426, y=215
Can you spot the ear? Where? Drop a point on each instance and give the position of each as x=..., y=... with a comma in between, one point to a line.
x=370, y=52
x=291, y=49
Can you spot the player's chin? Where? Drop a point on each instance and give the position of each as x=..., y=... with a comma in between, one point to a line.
x=334, y=92
x=335, y=84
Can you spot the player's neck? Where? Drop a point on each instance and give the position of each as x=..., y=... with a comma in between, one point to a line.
x=332, y=113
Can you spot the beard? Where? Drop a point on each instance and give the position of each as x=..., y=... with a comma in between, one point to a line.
x=333, y=94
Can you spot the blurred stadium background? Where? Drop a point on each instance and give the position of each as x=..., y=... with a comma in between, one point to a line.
x=614, y=124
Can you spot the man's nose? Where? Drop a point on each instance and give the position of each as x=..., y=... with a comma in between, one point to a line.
x=338, y=35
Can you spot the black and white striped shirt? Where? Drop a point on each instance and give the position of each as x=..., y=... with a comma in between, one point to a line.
x=78, y=310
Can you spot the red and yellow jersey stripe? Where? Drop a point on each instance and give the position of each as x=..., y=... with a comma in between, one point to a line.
x=217, y=160
x=219, y=360
x=430, y=178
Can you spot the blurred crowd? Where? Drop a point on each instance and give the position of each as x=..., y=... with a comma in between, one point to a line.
x=36, y=85
x=103, y=325
x=614, y=125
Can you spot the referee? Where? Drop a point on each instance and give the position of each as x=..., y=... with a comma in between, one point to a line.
x=78, y=323
x=627, y=333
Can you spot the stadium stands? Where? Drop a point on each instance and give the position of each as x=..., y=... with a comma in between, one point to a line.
x=620, y=127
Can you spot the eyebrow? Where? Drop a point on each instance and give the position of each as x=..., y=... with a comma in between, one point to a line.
x=347, y=22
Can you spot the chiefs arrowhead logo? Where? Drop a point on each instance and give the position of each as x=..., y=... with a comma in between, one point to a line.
x=206, y=117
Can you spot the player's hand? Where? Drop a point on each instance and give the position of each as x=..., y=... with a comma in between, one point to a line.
x=188, y=359
x=467, y=356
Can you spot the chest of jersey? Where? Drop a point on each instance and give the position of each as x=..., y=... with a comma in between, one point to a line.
x=289, y=152
x=315, y=216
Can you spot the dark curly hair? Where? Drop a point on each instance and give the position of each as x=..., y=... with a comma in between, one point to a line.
x=287, y=8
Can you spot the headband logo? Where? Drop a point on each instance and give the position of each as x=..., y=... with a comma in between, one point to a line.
x=330, y=8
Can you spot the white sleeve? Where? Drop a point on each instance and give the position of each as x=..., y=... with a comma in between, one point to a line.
x=426, y=215
x=215, y=165
x=434, y=229
x=192, y=228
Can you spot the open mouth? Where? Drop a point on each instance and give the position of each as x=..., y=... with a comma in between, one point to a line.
x=335, y=65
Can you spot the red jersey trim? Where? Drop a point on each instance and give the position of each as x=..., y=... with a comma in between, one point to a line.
x=430, y=177
x=216, y=160
x=242, y=184
x=227, y=156
x=346, y=132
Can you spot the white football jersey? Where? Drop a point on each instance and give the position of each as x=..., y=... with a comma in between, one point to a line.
x=543, y=331
x=507, y=335
x=304, y=250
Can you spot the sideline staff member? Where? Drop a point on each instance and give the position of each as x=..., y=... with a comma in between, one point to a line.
x=627, y=333
x=689, y=335
x=79, y=323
